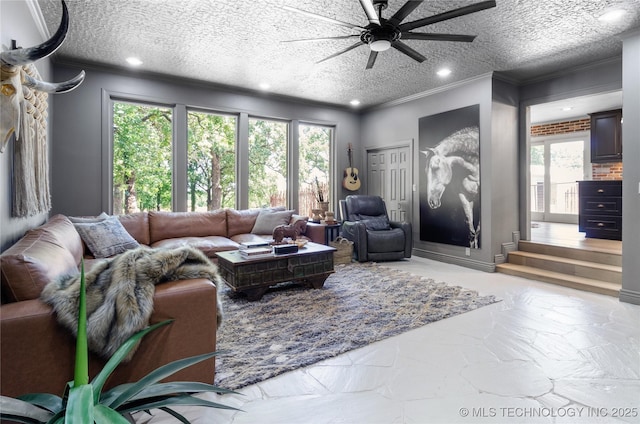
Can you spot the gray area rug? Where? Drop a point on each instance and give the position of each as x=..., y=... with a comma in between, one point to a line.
x=293, y=326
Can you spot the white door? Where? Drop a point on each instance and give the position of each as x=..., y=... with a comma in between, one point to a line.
x=388, y=176
x=556, y=166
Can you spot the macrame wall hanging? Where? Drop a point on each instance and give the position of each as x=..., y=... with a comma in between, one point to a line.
x=31, y=194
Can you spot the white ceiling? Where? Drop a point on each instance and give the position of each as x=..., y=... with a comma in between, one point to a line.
x=239, y=43
x=579, y=107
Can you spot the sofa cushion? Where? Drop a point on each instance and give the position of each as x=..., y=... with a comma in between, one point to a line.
x=43, y=254
x=106, y=238
x=241, y=221
x=208, y=245
x=137, y=224
x=251, y=238
x=167, y=225
x=267, y=220
x=81, y=219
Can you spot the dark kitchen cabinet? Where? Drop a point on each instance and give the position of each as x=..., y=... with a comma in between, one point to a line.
x=600, y=214
x=606, y=136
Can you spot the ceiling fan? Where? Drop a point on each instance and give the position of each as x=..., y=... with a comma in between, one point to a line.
x=381, y=34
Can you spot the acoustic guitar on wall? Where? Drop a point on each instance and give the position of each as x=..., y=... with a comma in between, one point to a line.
x=351, y=180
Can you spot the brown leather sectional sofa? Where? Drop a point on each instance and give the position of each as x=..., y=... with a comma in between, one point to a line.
x=37, y=354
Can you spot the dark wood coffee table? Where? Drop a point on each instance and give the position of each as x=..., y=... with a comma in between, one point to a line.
x=311, y=264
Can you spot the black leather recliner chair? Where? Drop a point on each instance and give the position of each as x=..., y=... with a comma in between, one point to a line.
x=375, y=238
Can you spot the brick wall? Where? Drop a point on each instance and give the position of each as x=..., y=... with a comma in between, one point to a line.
x=607, y=171
x=561, y=127
x=600, y=171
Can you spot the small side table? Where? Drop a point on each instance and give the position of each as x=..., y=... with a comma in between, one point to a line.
x=331, y=231
x=323, y=233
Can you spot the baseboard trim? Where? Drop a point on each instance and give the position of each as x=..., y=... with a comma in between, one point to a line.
x=456, y=260
x=629, y=296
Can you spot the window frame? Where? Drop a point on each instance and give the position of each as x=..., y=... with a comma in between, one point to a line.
x=108, y=101
x=288, y=159
x=334, y=178
x=180, y=149
x=236, y=116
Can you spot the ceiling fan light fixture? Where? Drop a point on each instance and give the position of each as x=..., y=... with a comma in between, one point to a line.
x=380, y=45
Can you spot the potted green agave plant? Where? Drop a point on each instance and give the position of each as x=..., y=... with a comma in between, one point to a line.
x=84, y=402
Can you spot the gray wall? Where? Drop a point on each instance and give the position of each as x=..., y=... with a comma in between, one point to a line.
x=78, y=157
x=631, y=165
x=505, y=184
x=17, y=24
x=398, y=122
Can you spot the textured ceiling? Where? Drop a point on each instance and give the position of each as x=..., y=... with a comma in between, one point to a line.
x=239, y=42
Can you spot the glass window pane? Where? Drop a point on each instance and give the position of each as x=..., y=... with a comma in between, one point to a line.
x=313, y=170
x=142, y=155
x=267, y=163
x=565, y=169
x=211, y=174
x=537, y=171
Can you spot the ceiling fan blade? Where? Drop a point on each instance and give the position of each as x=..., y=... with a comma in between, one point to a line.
x=372, y=59
x=437, y=37
x=323, y=18
x=370, y=11
x=359, y=43
x=399, y=45
x=308, y=40
x=404, y=11
x=448, y=15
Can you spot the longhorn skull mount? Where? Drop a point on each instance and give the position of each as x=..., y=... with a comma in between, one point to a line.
x=15, y=83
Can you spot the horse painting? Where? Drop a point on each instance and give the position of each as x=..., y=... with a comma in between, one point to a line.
x=457, y=154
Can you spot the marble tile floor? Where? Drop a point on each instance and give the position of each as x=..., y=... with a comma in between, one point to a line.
x=545, y=354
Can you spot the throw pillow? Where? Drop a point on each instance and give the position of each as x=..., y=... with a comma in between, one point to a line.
x=106, y=238
x=81, y=219
x=296, y=217
x=376, y=223
x=267, y=220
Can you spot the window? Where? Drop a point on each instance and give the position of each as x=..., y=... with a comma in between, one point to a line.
x=174, y=157
x=142, y=157
x=557, y=163
x=267, y=163
x=211, y=174
x=313, y=169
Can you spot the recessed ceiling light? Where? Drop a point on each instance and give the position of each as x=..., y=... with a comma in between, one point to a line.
x=567, y=108
x=612, y=15
x=444, y=72
x=354, y=102
x=265, y=86
x=134, y=61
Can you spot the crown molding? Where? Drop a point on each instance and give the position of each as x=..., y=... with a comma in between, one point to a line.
x=38, y=18
x=431, y=92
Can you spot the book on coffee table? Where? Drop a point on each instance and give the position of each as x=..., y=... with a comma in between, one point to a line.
x=252, y=244
x=254, y=252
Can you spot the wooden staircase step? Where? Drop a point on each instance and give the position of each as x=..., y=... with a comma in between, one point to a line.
x=573, y=281
x=588, y=254
x=580, y=268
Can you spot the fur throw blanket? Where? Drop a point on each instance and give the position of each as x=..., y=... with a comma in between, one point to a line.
x=120, y=292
